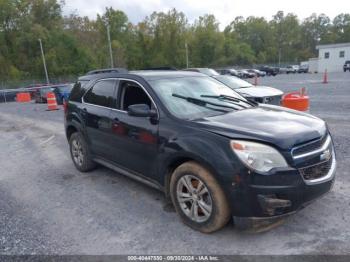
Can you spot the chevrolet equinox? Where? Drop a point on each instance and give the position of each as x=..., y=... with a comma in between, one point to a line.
x=215, y=154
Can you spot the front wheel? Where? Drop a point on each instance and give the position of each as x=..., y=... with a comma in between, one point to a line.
x=198, y=198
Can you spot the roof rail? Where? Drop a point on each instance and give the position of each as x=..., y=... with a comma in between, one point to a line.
x=107, y=70
x=165, y=68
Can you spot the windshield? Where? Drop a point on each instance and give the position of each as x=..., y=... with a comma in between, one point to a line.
x=233, y=82
x=173, y=91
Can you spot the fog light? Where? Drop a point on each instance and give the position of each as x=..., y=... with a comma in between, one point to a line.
x=269, y=203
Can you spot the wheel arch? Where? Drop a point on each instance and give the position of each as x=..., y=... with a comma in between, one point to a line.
x=177, y=161
x=70, y=130
x=74, y=124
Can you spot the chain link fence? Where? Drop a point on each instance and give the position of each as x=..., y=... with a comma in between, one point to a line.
x=9, y=89
x=14, y=84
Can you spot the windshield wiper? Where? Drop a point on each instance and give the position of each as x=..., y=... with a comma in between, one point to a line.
x=204, y=103
x=234, y=99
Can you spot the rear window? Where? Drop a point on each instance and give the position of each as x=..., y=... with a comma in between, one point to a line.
x=78, y=91
x=102, y=94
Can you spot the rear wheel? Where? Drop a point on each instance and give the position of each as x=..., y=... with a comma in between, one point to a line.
x=198, y=198
x=80, y=153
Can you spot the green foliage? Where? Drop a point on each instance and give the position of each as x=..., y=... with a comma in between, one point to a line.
x=74, y=44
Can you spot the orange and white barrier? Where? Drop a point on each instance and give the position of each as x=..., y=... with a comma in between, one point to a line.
x=23, y=97
x=256, y=79
x=297, y=100
x=325, y=77
x=51, y=102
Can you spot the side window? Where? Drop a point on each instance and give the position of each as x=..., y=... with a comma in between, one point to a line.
x=342, y=54
x=326, y=55
x=132, y=94
x=102, y=94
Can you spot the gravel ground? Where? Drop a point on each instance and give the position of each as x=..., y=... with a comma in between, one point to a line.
x=48, y=207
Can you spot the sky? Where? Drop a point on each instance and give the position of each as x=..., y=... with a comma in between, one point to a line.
x=224, y=10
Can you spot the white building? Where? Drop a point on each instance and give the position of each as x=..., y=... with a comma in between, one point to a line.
x=332, y=57
x=313, y=65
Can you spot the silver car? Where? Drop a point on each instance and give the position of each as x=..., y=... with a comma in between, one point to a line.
x=260, y=94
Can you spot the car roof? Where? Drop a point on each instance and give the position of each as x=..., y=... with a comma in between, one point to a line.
x=196, y=68
x=145, y=74
x=155, y=75
x=107, y=70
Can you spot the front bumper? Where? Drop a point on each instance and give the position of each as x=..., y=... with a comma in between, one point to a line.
x=266, y=199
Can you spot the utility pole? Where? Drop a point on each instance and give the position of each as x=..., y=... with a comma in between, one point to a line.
x=44, y=61
x=110, y=46
x=279, y=56
x=186, y=46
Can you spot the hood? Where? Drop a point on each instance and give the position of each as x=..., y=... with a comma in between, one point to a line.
x=276, y=125
x=259, y=91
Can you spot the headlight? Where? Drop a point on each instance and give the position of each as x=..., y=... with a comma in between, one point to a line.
x=257, y=156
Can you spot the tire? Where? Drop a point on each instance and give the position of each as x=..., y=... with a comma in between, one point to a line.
x=80, y=153
x=209, y=203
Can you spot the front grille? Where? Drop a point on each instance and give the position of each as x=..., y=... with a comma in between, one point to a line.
x=317, y=171
x=310, y=146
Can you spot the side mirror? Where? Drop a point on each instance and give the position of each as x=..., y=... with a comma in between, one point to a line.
x=141, y=110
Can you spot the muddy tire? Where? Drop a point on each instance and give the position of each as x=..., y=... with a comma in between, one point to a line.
x=80, y=153
x=198, y=198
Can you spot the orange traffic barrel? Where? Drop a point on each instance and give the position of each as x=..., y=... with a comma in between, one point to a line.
x=296, y=100
x=23, y=97
x=51, y=102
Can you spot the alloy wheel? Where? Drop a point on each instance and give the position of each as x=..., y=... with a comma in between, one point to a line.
x=194, y=198
x=77, y=152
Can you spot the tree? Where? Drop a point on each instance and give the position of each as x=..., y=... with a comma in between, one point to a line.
x=207, y=44
x=314, y=31
x=286, y=32
x=75, y=44
x=341, y=28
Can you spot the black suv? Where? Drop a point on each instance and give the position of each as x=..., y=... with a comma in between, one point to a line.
x=270, y=71
x=346, y=66
x=214, y=153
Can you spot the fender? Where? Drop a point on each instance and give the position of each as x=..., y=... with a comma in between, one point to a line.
x=212, y=156
x=75, y=120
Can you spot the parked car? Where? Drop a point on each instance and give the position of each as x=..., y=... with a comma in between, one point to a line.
x=7, y=95
x=206, y=71
x=259, y=94
x=245, y=74
x=303, y=68
x=214, y=153
x=40, y=94
x=62, y=92
x=270, y=71
x=257, y=72
x=228, y=71
x=346, y=66
x=292, y=69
